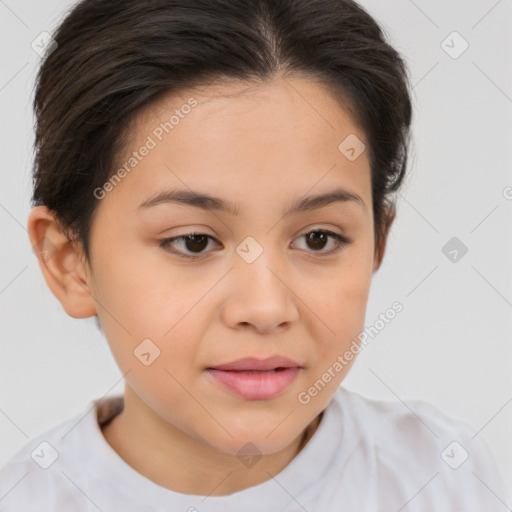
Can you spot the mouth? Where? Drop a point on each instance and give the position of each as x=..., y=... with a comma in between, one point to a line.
x=256, y=379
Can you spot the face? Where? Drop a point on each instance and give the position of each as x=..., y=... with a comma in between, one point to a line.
x=257, y=280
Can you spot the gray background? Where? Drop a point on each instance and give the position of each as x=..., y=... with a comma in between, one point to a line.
x=451, y=345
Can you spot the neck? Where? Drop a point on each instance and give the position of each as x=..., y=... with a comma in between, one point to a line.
x=176, y=461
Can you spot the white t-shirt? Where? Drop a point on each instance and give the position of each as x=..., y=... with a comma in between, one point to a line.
x=365, y=456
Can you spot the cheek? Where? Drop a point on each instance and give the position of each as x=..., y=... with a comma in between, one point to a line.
x=137, y=288
x=342, y=316
x=339, y=305
x=173, y=323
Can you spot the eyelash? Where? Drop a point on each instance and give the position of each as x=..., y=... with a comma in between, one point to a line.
x=341, y=242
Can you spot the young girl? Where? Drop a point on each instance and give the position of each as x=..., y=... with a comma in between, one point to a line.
x=213, y=181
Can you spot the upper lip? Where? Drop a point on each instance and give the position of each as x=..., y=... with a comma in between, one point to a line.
x=253, y=363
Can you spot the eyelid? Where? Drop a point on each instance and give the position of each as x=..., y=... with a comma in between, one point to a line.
x=164, y=243
x=341, y=242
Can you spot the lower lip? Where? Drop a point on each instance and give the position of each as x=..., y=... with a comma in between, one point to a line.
x=255, y=385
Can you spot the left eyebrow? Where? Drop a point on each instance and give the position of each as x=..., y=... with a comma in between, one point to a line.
x=338, y=195
x=209, y=202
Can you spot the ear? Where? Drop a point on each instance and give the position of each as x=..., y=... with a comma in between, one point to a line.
x=62, y=263
x=380, y=246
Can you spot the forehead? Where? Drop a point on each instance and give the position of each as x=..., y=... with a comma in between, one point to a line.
x=249, y=139
x=280, y=103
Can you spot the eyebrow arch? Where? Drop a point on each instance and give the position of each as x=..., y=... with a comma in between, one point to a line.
x=209, y=202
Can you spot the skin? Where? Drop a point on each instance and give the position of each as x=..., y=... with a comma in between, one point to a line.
x=261, y=147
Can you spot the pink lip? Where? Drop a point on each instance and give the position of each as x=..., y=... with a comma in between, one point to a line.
x=256, y=379
x=252, y=363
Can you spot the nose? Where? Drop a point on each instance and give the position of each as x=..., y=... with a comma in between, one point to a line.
x=260, y=296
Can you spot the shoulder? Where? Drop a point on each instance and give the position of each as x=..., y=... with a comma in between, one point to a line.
x=405, y=425
x=409, y=419
x=413, y=445
x=37, y=475
x=27, y=473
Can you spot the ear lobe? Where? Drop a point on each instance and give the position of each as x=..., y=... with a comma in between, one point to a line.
x=62, y=263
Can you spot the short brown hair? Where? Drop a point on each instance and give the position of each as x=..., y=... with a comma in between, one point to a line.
x=115, y=57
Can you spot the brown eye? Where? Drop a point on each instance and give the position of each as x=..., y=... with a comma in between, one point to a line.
x=194, y=245
x=196, y=242
x=318, y=239
x=191, y=244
